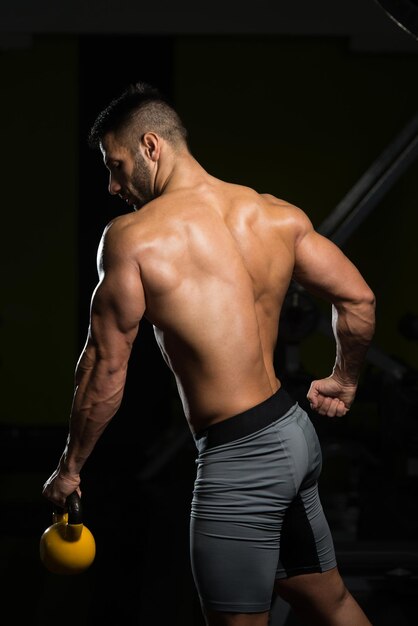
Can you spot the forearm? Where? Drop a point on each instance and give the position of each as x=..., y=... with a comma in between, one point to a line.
x=353, y=327
x=97, y=397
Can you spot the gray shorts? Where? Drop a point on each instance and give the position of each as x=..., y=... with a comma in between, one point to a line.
x=256, y=513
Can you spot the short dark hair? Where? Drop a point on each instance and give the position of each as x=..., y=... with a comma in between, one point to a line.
x=141, y=107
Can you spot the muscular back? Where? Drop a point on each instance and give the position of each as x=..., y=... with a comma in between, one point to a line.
x=215, y=266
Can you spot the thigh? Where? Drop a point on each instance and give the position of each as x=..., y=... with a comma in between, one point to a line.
x=233, y=565
x=306, y=542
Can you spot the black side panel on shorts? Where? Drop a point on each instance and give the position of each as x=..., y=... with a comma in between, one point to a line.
x=297, y=544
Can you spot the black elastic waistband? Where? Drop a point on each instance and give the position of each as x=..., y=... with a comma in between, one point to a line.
x=249, y=421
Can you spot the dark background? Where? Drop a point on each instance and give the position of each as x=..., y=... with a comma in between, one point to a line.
x=296, y=100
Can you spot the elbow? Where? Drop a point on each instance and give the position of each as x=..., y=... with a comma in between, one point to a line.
x=114, y=367
x=109, y=365
x=358, y=313
x=361, y=299
x=112, y=362
x=370, y=301
x=369, y=298
x=366, y=312
x=367, y=301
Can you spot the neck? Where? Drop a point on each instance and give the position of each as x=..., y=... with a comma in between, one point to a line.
x=181, y=171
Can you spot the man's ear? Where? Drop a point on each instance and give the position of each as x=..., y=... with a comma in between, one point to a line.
x=151, y=145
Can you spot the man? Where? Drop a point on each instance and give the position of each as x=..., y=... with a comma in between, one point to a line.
x=209, y=264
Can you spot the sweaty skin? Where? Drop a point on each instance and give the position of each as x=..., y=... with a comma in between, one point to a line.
x=208, y=263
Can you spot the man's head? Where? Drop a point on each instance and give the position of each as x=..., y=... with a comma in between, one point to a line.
x=139, y=109
x=131, y=132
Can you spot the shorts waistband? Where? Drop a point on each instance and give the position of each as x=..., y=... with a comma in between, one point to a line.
x=248, y=421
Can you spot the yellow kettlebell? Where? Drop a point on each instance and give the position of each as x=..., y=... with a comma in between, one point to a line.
x=67, y=547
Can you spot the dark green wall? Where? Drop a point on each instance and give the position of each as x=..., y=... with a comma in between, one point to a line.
x=39, y=200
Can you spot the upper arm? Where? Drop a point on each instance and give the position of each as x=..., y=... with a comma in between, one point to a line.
x=323, y=269
x=118, y=301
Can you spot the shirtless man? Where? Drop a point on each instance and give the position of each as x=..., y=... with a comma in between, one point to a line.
x=208, y=264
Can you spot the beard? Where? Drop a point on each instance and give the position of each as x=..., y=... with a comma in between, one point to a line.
x=140, y=188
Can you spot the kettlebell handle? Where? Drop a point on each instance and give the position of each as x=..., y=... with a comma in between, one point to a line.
x=73, y=507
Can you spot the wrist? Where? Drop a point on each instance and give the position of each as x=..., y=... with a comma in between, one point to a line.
x=343, y=378
x=68, y=468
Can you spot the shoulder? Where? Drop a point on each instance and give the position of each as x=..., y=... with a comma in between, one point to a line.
x=119, y=226
x=129, y=236
x=128, y=228
x=283, y=208
x=114, y=233
x=118, y=241
x=288, y=215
